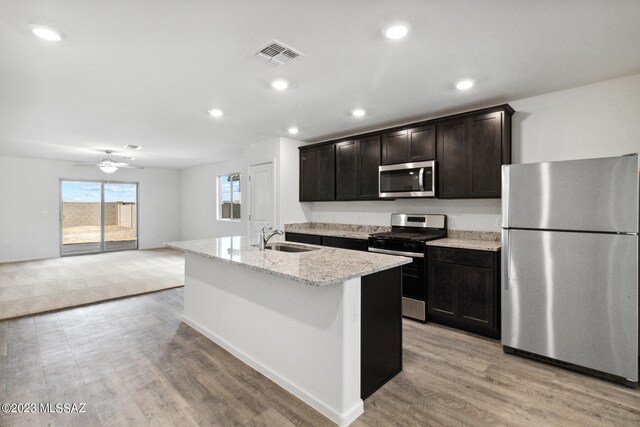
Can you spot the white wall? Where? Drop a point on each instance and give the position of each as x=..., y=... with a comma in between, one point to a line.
x=199, y=201
x=30, y=197
x=199, y=219
x=291, y=210
x=598, y=120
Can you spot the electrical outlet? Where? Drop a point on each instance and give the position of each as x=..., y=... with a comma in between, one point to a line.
x=354, y=313
x=453, y=220
x=499, y=222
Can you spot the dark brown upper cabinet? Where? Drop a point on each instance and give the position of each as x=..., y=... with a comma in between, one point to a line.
x=486, y=146
x=357, y=164
x=470, y=149
x=347, y=170
x=317, y=173
x=471, y=152
x=409, y=145
x=453, y=159
x=368, y=163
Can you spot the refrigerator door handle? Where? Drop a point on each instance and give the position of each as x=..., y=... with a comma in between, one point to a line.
x=505, y=196
x=505, y=259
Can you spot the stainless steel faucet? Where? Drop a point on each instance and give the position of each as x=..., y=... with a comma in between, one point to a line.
x=264, y=238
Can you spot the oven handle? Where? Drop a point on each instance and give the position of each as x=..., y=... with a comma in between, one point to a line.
x=421, y=179
x=400, y=253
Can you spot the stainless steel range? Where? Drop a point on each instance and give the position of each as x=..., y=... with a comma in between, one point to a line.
x=408, y=236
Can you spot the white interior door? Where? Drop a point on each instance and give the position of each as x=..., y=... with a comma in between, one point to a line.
x=262, y=197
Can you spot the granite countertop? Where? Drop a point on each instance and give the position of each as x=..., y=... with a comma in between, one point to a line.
x=464, y=239
x=322, y=267
x=476, y=240
x=351, y=231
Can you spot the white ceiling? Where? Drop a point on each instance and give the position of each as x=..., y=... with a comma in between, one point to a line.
x=145, y=72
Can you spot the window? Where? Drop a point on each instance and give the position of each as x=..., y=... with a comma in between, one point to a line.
x=229, y=196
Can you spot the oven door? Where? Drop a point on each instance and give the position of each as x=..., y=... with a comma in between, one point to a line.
x=408, y=180
x=414, y=290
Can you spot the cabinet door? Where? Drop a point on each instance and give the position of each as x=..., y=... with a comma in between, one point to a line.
x=485, y=155
x=309, y=174
x=347, y=170
x=368, y=163
x=395, y=148
x=453, y=158
x=442, y=290
x=475, y=297
x=422, y=143
x=326, y=172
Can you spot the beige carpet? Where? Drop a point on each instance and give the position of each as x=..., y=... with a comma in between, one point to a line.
x=38, y=286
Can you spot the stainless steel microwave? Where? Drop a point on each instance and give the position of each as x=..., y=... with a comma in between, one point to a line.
x=408, y=180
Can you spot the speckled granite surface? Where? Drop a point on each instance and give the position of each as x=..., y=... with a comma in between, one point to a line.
x=464, y=239
x=351, y=231
x=325, y=266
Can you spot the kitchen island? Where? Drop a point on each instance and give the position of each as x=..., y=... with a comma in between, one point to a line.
x=324, y=324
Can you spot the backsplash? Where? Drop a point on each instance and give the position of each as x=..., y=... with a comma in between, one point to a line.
x=474, y=235
x=331, y=226
x=478, y=214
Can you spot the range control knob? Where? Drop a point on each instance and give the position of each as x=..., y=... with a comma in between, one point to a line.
x=410, y=247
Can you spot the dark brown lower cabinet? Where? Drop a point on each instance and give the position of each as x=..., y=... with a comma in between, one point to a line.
x=346, y=243
x=312, y=239
x=380, y=316
x=463, y=289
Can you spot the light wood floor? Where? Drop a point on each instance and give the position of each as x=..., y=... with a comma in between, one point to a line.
x=133, y=363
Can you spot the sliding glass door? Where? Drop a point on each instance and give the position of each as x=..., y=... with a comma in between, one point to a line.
x=97, y=216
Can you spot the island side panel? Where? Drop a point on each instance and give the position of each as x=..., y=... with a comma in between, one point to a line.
x=305, y=338
x=381, y=336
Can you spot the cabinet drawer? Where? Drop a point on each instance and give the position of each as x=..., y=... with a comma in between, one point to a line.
x=473, y=258
x=312, y=239
x=345, y=243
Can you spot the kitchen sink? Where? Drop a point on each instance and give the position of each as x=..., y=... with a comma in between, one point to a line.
x=285, y=247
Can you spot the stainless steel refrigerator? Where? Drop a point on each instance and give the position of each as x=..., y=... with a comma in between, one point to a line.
x=570, y=264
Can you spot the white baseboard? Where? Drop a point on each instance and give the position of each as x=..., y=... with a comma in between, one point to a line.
x=342, y=420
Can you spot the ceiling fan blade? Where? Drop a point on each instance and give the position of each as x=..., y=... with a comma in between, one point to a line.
x=131, y=167
x=87, y=164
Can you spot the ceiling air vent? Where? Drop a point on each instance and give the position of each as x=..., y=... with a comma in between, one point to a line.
x=277, y=52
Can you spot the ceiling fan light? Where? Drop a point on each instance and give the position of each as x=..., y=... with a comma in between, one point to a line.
x=108, y=168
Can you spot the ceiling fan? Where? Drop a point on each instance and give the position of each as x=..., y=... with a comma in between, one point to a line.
x=110, y=165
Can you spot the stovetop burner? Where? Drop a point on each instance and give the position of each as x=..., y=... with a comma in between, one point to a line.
x=411, y=235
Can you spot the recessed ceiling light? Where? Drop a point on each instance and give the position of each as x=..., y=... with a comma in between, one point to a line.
x=280, y=84
x=397, y=31
x=464, y=84
x=216, y=112
x=46, y=33
x=358, y=112
x=293, y=131
x=132, y=147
